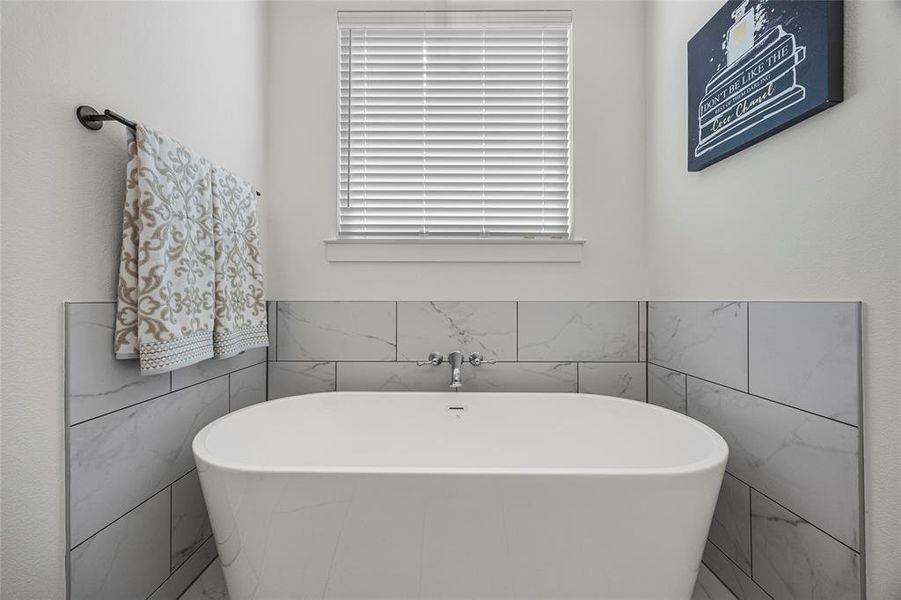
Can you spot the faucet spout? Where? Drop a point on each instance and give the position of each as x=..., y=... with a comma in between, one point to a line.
x=455, y=359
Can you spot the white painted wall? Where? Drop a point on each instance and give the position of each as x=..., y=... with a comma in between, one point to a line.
x=812, y=213
x=192, y=69
x=608, y=168
x=828, y=226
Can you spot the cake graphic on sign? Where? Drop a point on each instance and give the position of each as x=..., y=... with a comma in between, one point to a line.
x=759, y=79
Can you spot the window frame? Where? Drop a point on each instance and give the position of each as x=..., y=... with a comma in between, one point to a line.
x=347, y=248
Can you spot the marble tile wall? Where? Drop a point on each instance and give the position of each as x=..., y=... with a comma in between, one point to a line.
x=780, y=381
x=592, y=347
x=211, y=586
x=137, y=524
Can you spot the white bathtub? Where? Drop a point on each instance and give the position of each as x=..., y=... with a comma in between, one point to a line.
x=407, y=495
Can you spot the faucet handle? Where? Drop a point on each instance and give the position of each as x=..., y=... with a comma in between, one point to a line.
x=476, y=359
x=435, y=358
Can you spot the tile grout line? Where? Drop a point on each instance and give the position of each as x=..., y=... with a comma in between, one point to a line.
x=199, y=575
x=242, y=369
x=106, y=414
x=750, y=533
x=180, y=477
x=752, y=487
x=578, y=378
x=506, y=362
x=787, y=509
x=862, y=472
x=734, y=389
x=717, y=577
x=183, y=563
x=152, y=495
x=729, y=560
x=748, y=346
x=638, y=327
x=171, y=570
x=516, y=331
x=274, y=350
x=226, y=372
x=647, y=377
x=123, y=515
x=67, y=326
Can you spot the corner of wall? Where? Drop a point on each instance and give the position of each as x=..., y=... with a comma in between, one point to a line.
x=646, y=9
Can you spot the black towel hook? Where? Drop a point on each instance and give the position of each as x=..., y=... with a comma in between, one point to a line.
x=93, y=120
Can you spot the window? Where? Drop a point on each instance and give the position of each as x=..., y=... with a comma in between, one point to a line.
x=454, y=125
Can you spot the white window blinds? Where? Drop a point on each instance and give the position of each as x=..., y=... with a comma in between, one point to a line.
x=454, y=125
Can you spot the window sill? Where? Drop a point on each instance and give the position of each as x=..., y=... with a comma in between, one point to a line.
x=457, y=251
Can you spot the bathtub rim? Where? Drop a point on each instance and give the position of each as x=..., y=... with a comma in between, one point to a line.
x=716, y=460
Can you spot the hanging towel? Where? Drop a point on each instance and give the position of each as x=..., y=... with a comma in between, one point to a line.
x=166, y=290
x=240, y=315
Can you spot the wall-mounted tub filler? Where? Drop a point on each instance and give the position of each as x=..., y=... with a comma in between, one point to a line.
x=455, y=359
x=391, y=495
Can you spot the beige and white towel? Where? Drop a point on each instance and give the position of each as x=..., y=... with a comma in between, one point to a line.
x=168, y=280
x=240, y=320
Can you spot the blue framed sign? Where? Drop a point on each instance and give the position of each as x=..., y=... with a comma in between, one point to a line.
x=757, y=67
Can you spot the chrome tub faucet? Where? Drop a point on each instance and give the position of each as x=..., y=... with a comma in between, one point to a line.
x=455, y=359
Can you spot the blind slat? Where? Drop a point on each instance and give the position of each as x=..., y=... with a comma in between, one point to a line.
x=454, y=125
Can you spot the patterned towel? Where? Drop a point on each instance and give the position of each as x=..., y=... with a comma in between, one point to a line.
x=169, y=288
x=240, y=321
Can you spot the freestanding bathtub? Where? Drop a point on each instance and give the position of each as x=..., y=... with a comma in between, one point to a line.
x=348, y=495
